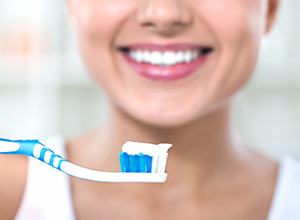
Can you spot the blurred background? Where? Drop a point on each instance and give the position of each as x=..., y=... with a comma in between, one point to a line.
x=45, y=90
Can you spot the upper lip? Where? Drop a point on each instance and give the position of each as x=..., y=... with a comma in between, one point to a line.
x=164, y=47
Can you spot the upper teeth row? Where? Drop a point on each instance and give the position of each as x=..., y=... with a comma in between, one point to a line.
x=164, y=58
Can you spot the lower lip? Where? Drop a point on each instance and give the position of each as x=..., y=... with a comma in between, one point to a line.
x=173, y=72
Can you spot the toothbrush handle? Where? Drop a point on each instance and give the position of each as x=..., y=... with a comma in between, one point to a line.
x=32, y=148
x=8, y=146
x=36, y=149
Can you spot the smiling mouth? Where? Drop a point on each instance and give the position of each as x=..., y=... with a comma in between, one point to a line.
x=165, y=62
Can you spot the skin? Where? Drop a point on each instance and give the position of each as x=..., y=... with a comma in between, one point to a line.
x=212, y=175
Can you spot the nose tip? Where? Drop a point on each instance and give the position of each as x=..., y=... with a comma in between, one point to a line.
x=164, y=15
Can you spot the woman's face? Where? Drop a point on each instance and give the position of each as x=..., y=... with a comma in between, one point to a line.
x=227, y=32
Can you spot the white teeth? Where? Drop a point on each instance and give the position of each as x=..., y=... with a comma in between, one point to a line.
x=139, y=56
x=147, y=55
x=187, y=57
x=156, y=58
x=167, y=58
x=135, y=56
x=179, y=56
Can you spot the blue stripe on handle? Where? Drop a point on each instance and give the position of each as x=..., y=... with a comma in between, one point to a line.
x=7, y=140
x=42, y=155
x=52, y=159
x=27, y=148
x=60, y=162
x=44, y=150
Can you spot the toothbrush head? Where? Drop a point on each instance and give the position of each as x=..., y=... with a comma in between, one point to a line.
x=137, y=157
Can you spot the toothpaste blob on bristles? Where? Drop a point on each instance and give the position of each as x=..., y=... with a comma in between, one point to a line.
x=144, y=157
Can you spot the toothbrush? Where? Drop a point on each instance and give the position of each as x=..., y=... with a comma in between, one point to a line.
x=139, y=162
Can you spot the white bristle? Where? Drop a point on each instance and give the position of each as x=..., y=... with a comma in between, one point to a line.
x=154, y=164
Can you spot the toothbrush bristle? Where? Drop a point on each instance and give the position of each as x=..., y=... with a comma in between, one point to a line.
x=138, y=163
x=143, y=157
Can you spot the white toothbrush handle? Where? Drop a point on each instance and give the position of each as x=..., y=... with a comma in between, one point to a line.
x=112, y=177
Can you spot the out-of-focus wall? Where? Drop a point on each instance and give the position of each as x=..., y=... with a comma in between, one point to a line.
x=267, y=110
x=44, y=87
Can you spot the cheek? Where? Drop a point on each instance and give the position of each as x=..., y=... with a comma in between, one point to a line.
x=98, y=23
x=100, y=20
x=237, y=26
x=234, y=21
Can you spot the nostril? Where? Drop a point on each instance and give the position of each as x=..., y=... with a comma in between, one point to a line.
x=148, y=24
x=165, y=17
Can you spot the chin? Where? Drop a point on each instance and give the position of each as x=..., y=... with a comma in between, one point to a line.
x=164, y=119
